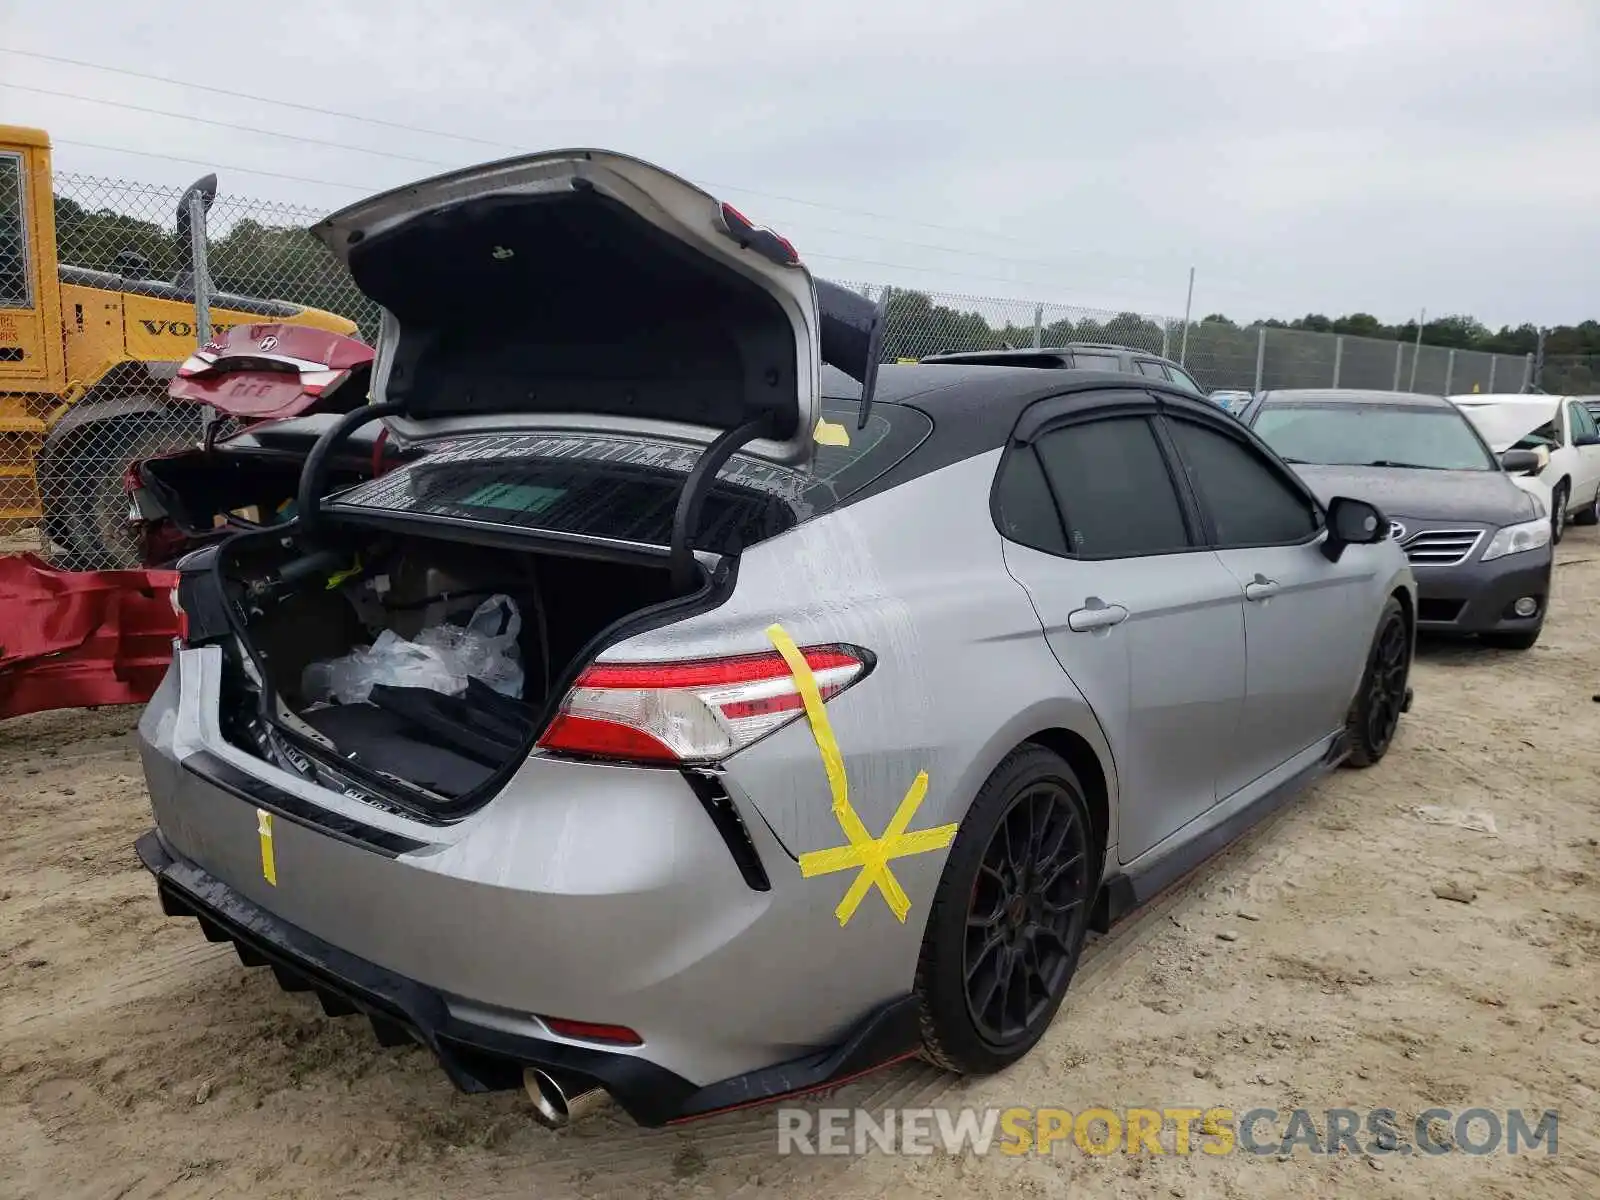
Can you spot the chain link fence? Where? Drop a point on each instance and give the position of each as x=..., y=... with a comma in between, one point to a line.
x=1571, y=374
x=130, y=317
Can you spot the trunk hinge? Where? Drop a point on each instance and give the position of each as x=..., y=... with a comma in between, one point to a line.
x=686, y=517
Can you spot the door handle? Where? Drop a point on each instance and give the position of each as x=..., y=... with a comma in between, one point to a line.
x=1096, y=614
x=1261, y=588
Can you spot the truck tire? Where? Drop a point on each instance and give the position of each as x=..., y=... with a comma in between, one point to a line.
x=80, y=477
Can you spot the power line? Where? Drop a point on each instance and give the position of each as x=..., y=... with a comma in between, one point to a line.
x=200, y=162
x=839, y=258
x=321, y=111
x=310, y=108
x=344, y=146
x=866, y=262
x=277, y=133
x=462, y=137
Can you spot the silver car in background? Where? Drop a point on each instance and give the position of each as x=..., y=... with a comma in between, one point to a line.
x=848, y=702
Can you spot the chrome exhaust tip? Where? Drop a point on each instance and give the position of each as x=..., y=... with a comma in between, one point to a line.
x=560, y=1100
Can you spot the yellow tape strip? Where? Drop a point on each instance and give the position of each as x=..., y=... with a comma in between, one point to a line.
x=269, y=862
x=829, y=433
x=871, y=854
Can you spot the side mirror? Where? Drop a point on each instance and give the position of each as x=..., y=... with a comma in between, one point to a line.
x=1352, y=523
x=1522, y=462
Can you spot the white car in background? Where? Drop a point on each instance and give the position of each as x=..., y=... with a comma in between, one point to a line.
x=1559, y=426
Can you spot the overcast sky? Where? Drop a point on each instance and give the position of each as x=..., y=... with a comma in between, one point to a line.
x=1378, y=155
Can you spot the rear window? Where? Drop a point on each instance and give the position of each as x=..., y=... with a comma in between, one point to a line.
x=626, y=488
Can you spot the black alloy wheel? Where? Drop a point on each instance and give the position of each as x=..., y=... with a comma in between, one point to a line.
x=1026, y=915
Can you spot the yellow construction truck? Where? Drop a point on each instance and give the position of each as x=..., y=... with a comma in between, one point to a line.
x=85, y=360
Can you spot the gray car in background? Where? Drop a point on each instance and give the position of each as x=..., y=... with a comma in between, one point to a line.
x=1478, y=543
x=838, y=719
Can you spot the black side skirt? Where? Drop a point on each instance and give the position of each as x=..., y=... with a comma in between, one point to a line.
x=1125, y=891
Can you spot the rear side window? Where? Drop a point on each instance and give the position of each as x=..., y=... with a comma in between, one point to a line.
x=1025, y=507
x=1115, y=492
x=1153, y=369
x=1095, y=362
x=1250, y=502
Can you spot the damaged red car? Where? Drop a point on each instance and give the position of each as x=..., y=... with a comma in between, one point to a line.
x=85, y=638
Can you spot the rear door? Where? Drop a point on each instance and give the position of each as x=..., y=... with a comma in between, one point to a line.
x=585, y=289
x=1307, y=621
x=1146, y=622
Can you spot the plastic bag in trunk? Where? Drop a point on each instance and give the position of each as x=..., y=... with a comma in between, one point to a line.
x=441, y=659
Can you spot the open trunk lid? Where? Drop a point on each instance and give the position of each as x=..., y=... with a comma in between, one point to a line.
x=271, y=372
x=585, y=289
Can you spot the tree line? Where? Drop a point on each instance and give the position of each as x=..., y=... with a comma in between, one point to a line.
x=287, y=263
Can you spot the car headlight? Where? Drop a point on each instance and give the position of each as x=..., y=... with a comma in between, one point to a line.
x=1514, y=539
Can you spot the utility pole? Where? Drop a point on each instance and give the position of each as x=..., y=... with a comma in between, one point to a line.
x=1188, y=307
x=1416, y=354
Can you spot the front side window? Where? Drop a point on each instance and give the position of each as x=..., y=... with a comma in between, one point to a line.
x=1250, y=502
x=1115, y=492
x=15, y=290
x=1582, y=423
x=1373, y=435
x=1152, y=369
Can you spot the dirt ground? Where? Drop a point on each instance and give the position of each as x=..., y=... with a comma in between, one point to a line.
x=138, y=1060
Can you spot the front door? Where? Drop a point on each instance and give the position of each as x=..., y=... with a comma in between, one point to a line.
x=1307, y=621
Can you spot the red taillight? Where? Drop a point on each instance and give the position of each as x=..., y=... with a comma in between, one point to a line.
x=758, y=237
x=590, y=1031
x=696, y=710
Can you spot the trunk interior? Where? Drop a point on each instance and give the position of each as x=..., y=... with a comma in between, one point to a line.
x=400, y=721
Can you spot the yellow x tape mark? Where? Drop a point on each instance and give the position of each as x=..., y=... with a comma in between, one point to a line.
x=871, y=854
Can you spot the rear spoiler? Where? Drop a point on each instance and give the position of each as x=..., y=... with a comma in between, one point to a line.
x=852, y=337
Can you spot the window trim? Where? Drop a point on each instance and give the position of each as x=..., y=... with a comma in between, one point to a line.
x=1138, y=405
x=1263, y=453
x=29, y=296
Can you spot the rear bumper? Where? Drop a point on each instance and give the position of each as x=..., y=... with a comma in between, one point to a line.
x=478, y=1057
x=602, y=894
x=1476, y=597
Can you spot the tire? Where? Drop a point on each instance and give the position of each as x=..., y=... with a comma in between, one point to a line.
x=1521, y=640
x=1558, y=512
x=1591, y=514
x=991, y=930
x=80, y=485
x=1375, y=712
